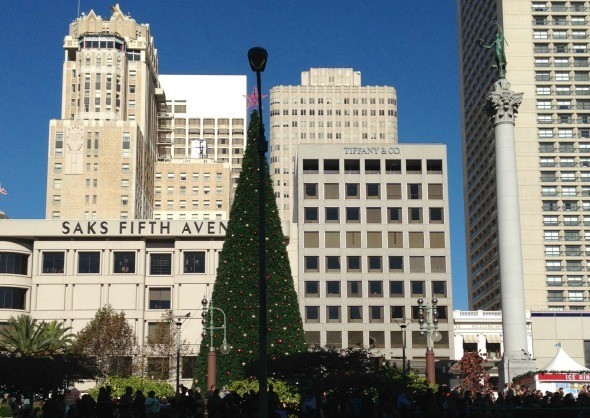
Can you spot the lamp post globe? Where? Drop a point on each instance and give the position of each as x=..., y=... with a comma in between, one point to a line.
x=257, y=57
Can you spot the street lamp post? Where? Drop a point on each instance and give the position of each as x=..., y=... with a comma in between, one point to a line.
x=178, y=325
x=403, y=324
x=225, y=348
x=428, y=320
x=257, y=57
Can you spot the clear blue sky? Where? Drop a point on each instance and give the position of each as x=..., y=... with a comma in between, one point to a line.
x=408, y=44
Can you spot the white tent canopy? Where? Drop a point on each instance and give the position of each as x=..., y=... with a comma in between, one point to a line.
x=563, y=362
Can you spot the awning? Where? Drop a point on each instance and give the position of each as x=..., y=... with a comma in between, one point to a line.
x=470, y=338
x=494, y=339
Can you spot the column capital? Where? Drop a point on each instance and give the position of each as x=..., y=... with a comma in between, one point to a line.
x=502, y=103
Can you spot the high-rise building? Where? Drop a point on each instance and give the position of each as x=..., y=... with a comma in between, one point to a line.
x=329, y=107
x=547, y=56
x=368, y=216
x=102, y=150
x=201, y=142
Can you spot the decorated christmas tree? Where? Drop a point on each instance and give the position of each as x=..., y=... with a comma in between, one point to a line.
x=236, y=285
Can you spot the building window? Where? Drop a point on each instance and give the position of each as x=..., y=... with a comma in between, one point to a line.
x=53, y=262
x=417, y=288
x=333, y=215
x=13, y=298
x=158, y=368
x=394, y=215
x=373, y=215
x=311, y=190
x=396, y=289
x=414, y=191
x=312, y=314
x=355, y=314
x=311, y=263
x=439, y=288
x=310, y=215
x=332, y=239
x=396, y=263
x=438, y=264
x=311, y=239
x=353, y=215
x=333, y=264
x=354, y=289
x=375, y=289
x=124, y=262
x=194, y=262
x=89, y=262
x=375, y=264
x=160, y=297
x=331, y=191
x=353, y=263
x=333, y=314
x=160, y=264
x=332, y=289
x=415, y=215
x=352, y=191
x=312, y=289
x=375, y=314
x=373, y=191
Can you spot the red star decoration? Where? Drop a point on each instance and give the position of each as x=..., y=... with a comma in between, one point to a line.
x=252, y=98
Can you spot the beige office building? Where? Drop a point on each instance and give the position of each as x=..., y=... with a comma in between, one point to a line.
x=547, y=59
x=102, y=150
x=329, y=107
x=373, y=238
x=67, y=270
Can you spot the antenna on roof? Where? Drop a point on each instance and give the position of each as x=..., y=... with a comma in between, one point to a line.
x=78, y=15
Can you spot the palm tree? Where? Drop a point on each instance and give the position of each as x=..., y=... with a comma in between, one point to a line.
x=24, y=336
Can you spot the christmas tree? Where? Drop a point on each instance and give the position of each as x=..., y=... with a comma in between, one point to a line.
x=236, y=285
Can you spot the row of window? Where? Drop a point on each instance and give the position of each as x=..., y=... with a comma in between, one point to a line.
x=356, y=314
x=414, y=191
x=568, y=280
x=373, y=339
x=374, y=288
x=374, y=264
x=184, y=176
x=373, y=239
x=372, y=215
x=371, y=166
x=336, y=100
x=124, y=262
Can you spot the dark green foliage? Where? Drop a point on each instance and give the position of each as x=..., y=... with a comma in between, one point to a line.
x=342, y=371
x=41, y=374
x=236, y=285
x=118, y=384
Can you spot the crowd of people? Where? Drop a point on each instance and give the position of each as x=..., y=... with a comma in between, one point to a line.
x=512, y=401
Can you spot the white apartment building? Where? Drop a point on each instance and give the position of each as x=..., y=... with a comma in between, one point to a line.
x=201, y=142
x=329, y=107
x=547, y=56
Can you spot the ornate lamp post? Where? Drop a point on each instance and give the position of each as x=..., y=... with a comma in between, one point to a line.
x=428, y=320
x=225, y=348
x=179, y=320
x=257, y=57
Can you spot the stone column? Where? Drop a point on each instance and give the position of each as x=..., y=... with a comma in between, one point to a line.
x=502, y=106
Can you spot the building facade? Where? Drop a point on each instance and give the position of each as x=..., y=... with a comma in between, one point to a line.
x=131, y=144
x=102, y=150
x=547, y=60
x=329, y=107
x=68, y=270
x=372, y=238
x=201, y=142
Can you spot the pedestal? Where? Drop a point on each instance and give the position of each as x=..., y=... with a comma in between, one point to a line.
x=430, y=369
x=211, y=367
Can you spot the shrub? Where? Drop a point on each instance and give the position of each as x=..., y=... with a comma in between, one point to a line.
x=118, y=385
x=287, y=393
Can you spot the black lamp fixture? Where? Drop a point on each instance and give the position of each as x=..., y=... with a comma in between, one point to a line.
x=257, y=57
